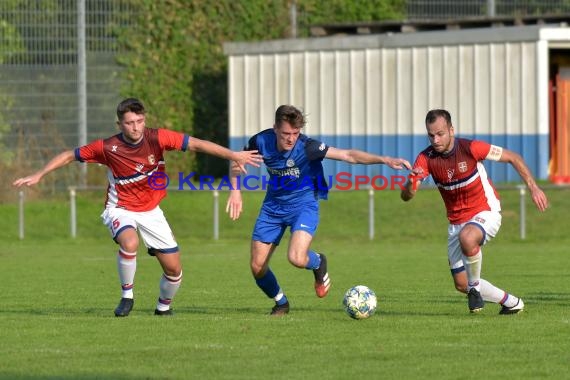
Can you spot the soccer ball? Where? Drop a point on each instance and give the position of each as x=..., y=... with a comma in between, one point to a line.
x=359, y=302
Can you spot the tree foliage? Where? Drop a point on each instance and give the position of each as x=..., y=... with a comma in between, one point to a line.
x=175, y=63
x=341, y=11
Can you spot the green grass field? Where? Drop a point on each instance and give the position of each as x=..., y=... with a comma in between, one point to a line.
x=58, y=296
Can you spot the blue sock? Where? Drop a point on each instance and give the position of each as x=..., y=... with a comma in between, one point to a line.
x=268, y=284
x=314, y=260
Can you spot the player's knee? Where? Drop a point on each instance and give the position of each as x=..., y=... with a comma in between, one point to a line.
x=461, y=288
x=300, y=261
x=257, y=270
x=173, y=270
x=470, y=239
x=130, y=245
x=471, y=250
x=128, y=239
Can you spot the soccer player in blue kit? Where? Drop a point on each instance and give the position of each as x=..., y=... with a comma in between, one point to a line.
x=296, y=183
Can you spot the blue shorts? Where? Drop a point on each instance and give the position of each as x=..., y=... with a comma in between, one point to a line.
x=274, y=218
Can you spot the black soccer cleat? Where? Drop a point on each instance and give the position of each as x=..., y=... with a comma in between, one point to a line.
x=125, y=307
x=280, y=310
x=322, y=279
x=164, y=313
x=475, y=301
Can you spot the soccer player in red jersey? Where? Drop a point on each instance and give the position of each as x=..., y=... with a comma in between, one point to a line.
x=135, y=158
x=472, y=203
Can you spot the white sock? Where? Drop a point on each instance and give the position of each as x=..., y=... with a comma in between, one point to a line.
x=168, y=287
x=473, y=269
x=127, y=266
x=279, y=296
x=510, y=300
x=491, y=293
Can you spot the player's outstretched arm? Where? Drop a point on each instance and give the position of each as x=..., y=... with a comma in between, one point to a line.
x=246, y=157
x=57, y=162
x=537, y=195
x=412, y=185
x=354, y=156
x=235, y=204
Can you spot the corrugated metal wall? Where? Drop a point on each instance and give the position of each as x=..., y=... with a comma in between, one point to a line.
x=375, y=99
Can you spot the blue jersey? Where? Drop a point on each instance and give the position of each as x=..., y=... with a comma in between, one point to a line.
x=296, y=175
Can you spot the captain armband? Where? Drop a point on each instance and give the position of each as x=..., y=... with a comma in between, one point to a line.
x=495, y=153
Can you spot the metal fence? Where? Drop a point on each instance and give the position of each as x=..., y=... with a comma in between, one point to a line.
x=59, y=81
x=441, y=9
x=372, y=227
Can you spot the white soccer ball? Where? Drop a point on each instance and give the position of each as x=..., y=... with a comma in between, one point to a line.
x=359, y=302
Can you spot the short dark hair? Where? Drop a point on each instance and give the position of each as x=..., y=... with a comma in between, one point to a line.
x=130, y=105
x=434, y=114
x=290, y=114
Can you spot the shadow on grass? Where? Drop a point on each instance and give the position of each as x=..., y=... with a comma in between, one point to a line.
x=435, y=307
x=14, y=376
x=219, y=311
x=560, y=299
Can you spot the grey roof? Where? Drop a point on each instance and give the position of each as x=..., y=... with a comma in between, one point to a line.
x=395, y=40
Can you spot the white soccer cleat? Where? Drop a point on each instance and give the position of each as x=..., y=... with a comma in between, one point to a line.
x=513, y=310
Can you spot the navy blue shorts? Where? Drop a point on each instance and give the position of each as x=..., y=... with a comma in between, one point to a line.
x=274, y=219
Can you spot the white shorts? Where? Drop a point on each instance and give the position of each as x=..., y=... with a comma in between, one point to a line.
x=488, y=221
x=152, y=226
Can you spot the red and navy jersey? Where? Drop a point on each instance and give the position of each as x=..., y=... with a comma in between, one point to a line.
x=130, y=166
x=461, y=178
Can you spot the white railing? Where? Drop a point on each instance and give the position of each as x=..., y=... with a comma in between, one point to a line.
x=216, y=210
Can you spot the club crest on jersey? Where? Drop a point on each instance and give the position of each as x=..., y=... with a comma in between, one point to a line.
x=114, y=148
x=290, y=163
x=151, y=159
x=450, y=173
x=462, y=166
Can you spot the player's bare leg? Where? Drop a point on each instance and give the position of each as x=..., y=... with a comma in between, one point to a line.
x=128, y=241
x=169, y=282
x=470, y=238
x=301, y=256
